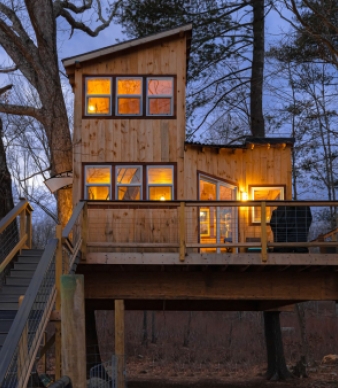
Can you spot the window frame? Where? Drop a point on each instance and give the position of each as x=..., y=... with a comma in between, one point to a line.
x=118, y=96
x=86, y=185
x=160, y=96
x=113, y=97
x=255, y=220
x=117, y=185
x=172, y=185
x=87, y=96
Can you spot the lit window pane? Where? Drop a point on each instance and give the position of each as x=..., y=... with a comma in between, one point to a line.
x=160, y=193
x=160, y=175
x=98, y=192
x=207, y=191
x=129, y=193
x=129, y=86
x=267, y=194
x=225, y=193
x=160, y=86
x=98, y=86
x=98, y=175
x=98, y=105
x=159, y=106
x=128, y=175
x=130, y=106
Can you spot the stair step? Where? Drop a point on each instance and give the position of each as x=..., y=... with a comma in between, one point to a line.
x=21, y=274
x=7, y=314
x=31, y=252
x=9, y=306
x=13, y=290
x=25, y=266
x=2, y=338
x=9, y=298
x=17, y=281
x=28, y=259
x=5, y=325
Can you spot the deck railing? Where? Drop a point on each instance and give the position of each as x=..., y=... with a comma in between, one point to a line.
x=210, y=226
x=15, y=232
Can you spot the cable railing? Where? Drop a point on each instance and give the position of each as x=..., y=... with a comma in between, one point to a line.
x=209, y=227
x=19, y=350
x=15, y=232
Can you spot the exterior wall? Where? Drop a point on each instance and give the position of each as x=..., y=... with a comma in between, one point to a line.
x=98, y=140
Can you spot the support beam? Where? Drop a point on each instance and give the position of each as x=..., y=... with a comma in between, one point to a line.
x=73, y=329
x=209, y=285
x=119, y=342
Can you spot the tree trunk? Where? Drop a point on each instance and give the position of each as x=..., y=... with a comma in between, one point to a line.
x=300, y=369
x=256, y=90
x=277, y=369
x=153, y=328
x=145, y=329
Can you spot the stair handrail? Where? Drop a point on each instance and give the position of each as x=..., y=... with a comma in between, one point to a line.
x=21, y=344
x=22, y=209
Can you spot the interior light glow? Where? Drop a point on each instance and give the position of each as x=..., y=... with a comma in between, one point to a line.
x=244, y=196
x=91, y=108
x=162, y=198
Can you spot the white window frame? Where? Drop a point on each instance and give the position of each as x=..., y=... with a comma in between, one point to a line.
x=159, y=96
x=117, y=185
x=161, y=166
x=110, y=96
x=117, y=96
x=254, y=218
x=109, y=185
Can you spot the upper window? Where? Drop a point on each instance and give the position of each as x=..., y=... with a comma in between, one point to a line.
x=160, y=93
x=129, y=96
x=265, y=193
x=98, y=96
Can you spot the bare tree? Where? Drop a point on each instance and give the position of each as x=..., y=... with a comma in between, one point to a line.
x=28, y=35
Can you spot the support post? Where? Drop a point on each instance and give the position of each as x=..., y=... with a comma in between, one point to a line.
x=119, y=343
x=84, y=231
x=58, y=273
x=29, y=228
x=73, y=340
x=23, y=225
x=23, y=358
x=181, y=221
x=264, y=238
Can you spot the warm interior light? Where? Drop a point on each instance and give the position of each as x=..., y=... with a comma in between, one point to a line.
x=244, y=196
x=91, y=108
x=162, y=198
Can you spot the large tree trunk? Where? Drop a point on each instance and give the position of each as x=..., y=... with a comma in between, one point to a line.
x=277, y=369
x=256, y=90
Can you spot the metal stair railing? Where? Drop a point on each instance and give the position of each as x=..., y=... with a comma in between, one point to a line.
x=18, y=353
x=14, y=237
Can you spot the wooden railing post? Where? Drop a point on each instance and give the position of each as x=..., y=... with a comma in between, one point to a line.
x=58, y=273
x=181, y=221
x=29, y=228
x=23, y=224
x=264, y=238
x=84, y=231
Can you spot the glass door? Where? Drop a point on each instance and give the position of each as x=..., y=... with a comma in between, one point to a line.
x=217, y=224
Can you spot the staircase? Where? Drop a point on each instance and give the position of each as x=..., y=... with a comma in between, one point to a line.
x=16, y=284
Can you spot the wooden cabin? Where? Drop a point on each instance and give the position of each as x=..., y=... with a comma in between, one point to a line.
x=129, y=145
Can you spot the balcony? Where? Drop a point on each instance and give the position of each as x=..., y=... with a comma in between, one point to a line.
x=211, y=233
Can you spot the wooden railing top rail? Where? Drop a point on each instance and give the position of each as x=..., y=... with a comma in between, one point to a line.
x=192, y=203
x=10, y=217
x=68, y=228
x=329, y=234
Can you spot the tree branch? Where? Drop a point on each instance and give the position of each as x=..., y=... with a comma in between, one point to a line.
x=9, y=70
x=5, y=88
x=20, y=110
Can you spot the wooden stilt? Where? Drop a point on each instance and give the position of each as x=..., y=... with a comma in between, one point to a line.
x=73, y=342
x=119, y=343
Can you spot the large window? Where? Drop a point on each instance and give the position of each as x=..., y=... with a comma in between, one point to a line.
x=98, y=96
x=129, y=182
x=131, y=96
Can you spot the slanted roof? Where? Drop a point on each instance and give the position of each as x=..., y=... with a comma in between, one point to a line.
x=117, y=48
x=246, y=142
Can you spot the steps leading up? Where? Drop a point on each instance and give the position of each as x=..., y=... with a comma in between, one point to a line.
x=16, y=284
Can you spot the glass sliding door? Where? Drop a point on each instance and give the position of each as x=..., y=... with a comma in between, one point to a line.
x=217, y=224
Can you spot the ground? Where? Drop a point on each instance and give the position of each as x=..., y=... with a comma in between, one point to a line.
x=144, y=375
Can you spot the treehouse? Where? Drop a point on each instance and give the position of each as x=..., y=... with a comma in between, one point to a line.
x=158, y=222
